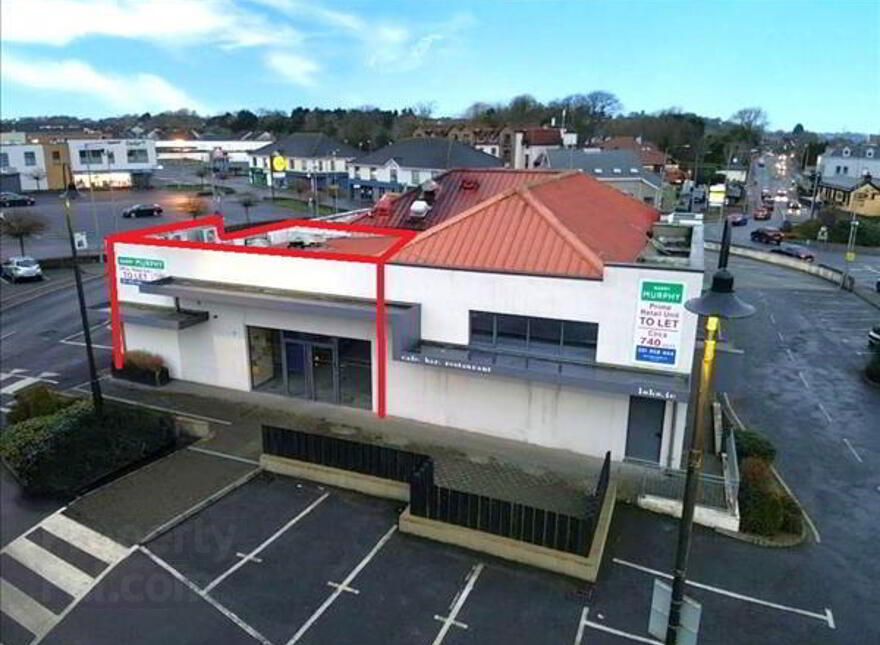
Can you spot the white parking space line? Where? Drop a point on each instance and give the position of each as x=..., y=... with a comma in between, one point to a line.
x=790, y=355
x=803, y=379
x=204, y=596
x=224, y=455
x=826, y=617
x=852, y=450
x=824, y=411
x=781, y=337
x=345, y=583
x=585, y=622
x=277, y=534
x=457, y=604
x=21, y=383
x=772, y=318
x=5, y=336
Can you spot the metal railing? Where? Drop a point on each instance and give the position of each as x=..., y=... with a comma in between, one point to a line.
x=669, y=484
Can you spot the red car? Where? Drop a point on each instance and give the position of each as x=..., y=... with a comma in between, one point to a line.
x=767, y=235
x=762, y=213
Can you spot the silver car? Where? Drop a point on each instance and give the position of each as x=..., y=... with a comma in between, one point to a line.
x=21, y=267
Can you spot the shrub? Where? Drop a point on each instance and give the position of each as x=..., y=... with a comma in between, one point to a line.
x=753, y=444
x=36, y=402
x=760, y=509
x=792, y=518
x=755, y=471
x=141, y=360
x=72, y=448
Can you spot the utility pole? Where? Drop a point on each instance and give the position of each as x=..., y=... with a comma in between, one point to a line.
x=97, y=399
x=850, y=255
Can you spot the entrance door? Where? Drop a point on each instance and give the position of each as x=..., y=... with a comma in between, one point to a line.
x=644, y=432
x=311, y=370
x=295, y=355
x=324, y=373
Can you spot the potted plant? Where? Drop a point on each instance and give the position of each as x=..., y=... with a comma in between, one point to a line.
x=143, y=367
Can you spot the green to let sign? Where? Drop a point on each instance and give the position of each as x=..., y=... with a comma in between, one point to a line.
x=662, y=291
x=141, y=263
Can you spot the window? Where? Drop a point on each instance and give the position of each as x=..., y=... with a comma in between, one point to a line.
x=416, y=177
x=846, y=170
x=393, y=173
x=534, y=336
x=846, y=152
x=4, y=160
x=357, y=172
x=837, y=170
x=320, y=165
x=372, y=174
x=56, y=155
x=598, y=171
x=111, y=157
x=137, y=155
x=616, y=171
x=91, y=155
x=869, y=153
x=30, y=159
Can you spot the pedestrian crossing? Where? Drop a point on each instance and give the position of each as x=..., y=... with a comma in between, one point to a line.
x=44, y=572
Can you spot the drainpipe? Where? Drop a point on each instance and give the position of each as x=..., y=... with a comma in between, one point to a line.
x=672, y=425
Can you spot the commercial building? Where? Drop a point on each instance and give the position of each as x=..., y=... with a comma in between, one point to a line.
x=537, y=306
x=303, y=156
x=621, y=169
x=112, y=163
x=226, y=153
x=409, y=162
x=26, y=160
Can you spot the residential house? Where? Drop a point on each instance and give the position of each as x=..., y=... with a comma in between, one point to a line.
x=530, y=143
x=409, y=162
x=621, y=169
x=25, y=160
x=652, y=159
x=850, y=160
x=859, y=195
x=112, y=163
x=308, y=156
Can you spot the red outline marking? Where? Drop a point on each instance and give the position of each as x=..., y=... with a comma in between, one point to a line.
x=144, y=237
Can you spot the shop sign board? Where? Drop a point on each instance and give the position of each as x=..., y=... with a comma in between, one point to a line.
x=140, y=270
x=659, y=317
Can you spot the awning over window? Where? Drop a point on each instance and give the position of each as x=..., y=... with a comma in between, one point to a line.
x=161, y=317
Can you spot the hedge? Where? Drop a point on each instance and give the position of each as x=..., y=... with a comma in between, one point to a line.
x=753, y=444
x=867, y=234
x=72, y=448
x=36, y=402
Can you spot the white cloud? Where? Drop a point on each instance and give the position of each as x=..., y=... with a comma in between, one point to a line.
x=135, y=93
x=168, y=22
x=293, y=68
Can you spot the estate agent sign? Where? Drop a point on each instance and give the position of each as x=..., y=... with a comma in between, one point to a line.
x=659, y=315
x=139, y=270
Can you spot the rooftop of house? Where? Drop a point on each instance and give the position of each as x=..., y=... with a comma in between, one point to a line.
x=846, y=183
x=542, y=136
x=648, y=152
x=431, y=153
x=856, y=150
x=608, y=164
x=308, y=144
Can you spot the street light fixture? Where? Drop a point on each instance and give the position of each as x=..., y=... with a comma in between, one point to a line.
x=720, y=301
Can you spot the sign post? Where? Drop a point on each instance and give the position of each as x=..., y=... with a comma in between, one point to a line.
x=80, y=241
x=659, y=316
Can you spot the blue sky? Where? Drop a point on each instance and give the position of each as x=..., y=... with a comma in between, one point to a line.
x=817, y=63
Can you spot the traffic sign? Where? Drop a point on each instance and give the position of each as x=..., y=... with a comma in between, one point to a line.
x=850, y=256
x=80, y=241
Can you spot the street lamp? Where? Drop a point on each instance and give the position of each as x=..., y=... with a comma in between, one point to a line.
x=719, y=302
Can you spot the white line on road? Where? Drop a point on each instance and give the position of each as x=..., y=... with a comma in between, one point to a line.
x=277, y=534
x=23, y=382
x=5, y=336
x=781, y=337
x=79, y=388
x=204, y=596
x=824, y=411
x=790, y=355
x=345, y=583
x=457, y=604
x=803, y=380
x=827, y=617
x=853, y=450
x=610, y=630
x=215, y=453
x=81, y=344
x=772, y=318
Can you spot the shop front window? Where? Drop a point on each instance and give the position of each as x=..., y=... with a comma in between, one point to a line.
x=532, y=336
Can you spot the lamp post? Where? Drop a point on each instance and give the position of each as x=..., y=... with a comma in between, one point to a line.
x=92, y=194
x=719, y=302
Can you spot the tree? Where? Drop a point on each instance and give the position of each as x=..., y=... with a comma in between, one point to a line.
x=244, y=120
x=201, y=173
x=38, y=174
x=194, y=207
x=798, y=130
x=22, y=225
x=749, y=124
x=247, y=201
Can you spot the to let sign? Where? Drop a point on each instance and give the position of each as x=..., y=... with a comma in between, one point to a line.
x=659, y=316
x=139, y=270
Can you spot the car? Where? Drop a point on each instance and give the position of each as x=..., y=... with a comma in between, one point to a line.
x=874, y=334
x=738, y=219
x=14, y=199
x=795, y=251
x=767, y=235
x=793, y=206
x=143, y=210
x=762, y=213
x=21, y=267
x=765, y=192
x=781, y=192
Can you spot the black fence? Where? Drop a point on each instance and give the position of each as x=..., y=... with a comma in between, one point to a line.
x=500, y=517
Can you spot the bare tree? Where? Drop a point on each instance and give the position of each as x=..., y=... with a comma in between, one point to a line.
x=750, y=123
x=194, y=207
x=247, y=201
x=38, y=175
x=22, y=225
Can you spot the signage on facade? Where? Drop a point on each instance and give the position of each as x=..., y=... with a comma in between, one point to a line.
x=659, y=315
x=278, y=163
x=717, y=193
x=140, y=270
x=446, y=362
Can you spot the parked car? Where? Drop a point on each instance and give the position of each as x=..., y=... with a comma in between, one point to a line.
x=738, y=219
x=781, y=192
x=14, y=199
x=767, y=235
x=762, y=213
x=795, y=251
x=794, y=206
x=21, y=267
x=874, y=334
x=143, y=210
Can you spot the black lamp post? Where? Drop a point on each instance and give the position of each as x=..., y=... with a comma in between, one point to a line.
x=720, y=301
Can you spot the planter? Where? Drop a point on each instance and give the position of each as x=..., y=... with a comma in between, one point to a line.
x=145, y=377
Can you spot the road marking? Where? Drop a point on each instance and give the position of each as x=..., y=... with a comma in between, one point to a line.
x=81, y=536
x=204, y=596
x=791, y=494
x=827, y=616
x=824, y=411
x=252, y=558
x=803, y=380
x=57, y=571
x=457, y=604
x=78, y=388
x=223, y=455
x=345, y=583
x=277, y=534
x=22, y=383
x=5, y=336
x=342, y=587
x=77, y=343
x=781, y=337
x=852, y=450
x=79, y=333
x=772, y=318
x=790, y=355
x=25, y=610
x=610, y=630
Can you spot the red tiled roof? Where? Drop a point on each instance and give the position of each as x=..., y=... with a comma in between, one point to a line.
x=560, y=224
x=374, y=245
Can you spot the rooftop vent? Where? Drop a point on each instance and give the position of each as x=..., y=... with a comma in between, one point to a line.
x=429, y=189
x=419, y=209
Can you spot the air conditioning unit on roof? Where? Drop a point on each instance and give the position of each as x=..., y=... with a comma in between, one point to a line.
x=419, y=209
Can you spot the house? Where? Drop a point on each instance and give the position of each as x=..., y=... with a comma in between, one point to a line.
x=850, y=160
x=531, y=143
x=112, y=163
x=305, y=156
x=652, y=159
x=409, y=162
x=621, y=169
x=859, y=195
x=27, y=161
x=529, y=305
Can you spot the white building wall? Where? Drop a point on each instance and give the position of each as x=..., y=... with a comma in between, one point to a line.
x=119, y=149
x=163, y=342
x=18, y=155
x=238, y=151
x=405, y=175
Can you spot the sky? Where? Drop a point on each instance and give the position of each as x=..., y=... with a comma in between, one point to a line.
x=815, y=63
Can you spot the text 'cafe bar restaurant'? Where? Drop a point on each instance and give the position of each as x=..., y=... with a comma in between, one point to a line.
x=537, y=306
